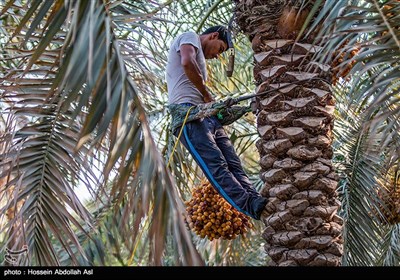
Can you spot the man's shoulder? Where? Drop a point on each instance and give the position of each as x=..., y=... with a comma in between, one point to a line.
x=188, y=37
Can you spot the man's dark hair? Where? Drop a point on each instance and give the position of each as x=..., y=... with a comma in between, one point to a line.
x=222, y=33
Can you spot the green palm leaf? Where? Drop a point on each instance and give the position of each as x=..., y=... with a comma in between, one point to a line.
x=90, y=106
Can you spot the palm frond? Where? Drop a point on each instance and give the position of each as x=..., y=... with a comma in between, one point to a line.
x=360, y=163
x=90, y=98
x=391, y=256
x=372, y=28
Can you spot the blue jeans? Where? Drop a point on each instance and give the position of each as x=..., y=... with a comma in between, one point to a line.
x=213, y=151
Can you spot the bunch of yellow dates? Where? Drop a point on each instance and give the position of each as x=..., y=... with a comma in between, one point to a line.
x=209, y=215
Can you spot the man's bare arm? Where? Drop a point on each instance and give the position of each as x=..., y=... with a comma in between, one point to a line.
x=192, y=70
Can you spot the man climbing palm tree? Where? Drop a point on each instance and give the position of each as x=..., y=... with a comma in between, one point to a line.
x=205, y=138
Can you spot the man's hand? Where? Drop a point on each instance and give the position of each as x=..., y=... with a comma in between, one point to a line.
x=208, y=97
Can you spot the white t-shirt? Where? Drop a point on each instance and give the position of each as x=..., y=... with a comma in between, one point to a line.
x=180, y=88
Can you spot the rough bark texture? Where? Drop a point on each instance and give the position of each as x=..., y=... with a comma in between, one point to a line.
x=295, y=127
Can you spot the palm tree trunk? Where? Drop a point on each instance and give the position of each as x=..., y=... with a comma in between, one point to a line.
x=295, y=126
